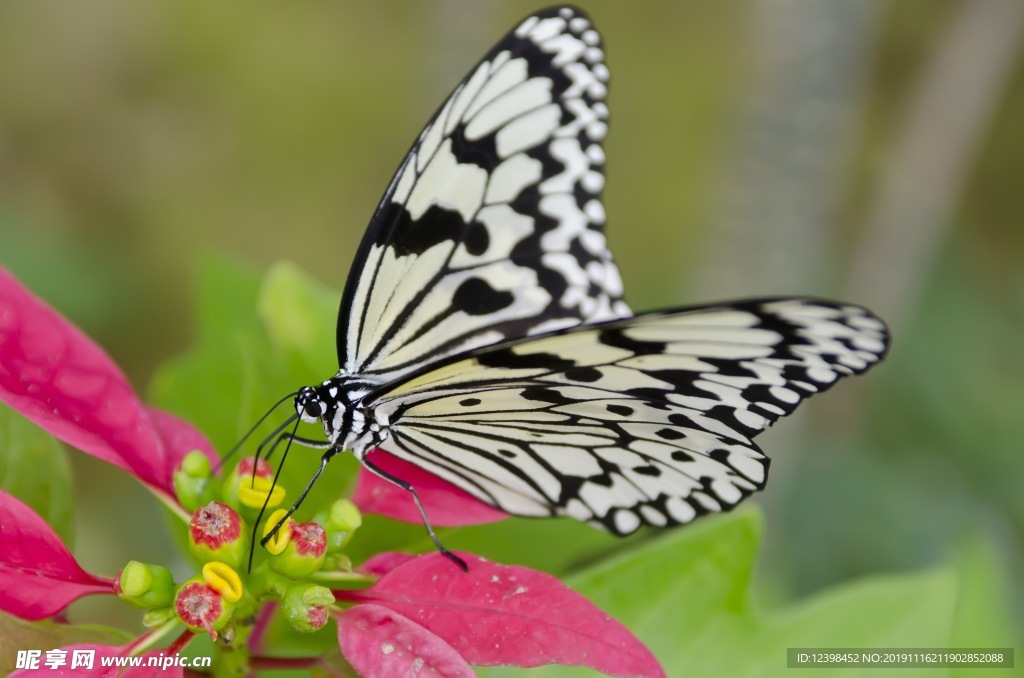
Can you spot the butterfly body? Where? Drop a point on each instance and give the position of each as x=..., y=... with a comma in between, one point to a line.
x=483, y=337
x=337, y=405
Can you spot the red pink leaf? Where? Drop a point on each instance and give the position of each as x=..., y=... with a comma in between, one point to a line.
x=446, y=505
x=380, y=642
x=382, y=563
x=57, y=377
x=179, y=438
x=507, y=614
x=38, y=575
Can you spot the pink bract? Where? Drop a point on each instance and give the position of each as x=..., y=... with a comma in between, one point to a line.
x=505, y=614
x=38, y=575
x=378, y=641
x=446, y=505
x=55, y=376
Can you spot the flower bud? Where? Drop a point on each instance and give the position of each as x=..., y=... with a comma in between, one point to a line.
x=201, y=608
x=303, y=551
x=341, y=522
x=216, y=533
x=247, y=492
x=305, y=606
x=193, y=481
x=145, y=586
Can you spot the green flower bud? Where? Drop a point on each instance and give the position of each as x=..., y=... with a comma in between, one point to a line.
x=193, y=481
x=341, y=523
x=145, y=586
x=305, y=606
x=217, y=533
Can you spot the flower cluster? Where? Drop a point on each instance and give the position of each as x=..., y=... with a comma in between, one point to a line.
x=393, y=614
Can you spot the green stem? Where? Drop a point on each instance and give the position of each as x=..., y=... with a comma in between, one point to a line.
x=336, y=578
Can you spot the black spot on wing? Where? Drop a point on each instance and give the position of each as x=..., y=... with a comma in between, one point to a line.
x=482, y=151
x=652, y=397
x=475, y=296
x=621, y=410
x=576, y=248
x=761, y=393
x=435, y=226
x=543, y=394
x=583, y=374
x=680, y=419
x=469, y=402
x=618, y=339
x=571, y=486
x=669, y=434
x=682, y=380
x=477, y=239
x=727, y=415
x=509, y=359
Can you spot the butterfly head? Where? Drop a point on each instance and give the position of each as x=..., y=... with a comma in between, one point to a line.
x=310, y=405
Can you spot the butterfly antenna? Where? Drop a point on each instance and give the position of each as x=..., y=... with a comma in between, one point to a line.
x=262, y=419
x=280, y=467
x=274, y=435
x=419, y=505
x=298, y=502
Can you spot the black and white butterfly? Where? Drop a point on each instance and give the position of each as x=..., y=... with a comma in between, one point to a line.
x=483, y=337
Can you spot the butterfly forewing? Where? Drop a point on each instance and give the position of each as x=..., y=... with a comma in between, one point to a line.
x=647, y=420
x=492, y=229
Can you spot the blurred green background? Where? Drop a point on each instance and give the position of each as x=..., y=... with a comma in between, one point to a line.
x=866, y=150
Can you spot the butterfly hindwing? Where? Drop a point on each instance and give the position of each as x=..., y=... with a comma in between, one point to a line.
x=492, y=228
x=647, y=420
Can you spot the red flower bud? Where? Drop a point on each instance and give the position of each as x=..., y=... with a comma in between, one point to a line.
x=200, y=608
x=216, y=533
x=304, y=551
x=305, y=606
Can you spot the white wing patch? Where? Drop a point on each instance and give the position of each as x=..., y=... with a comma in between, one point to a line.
x=648, y=420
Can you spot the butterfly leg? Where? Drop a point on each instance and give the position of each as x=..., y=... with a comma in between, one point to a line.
x=419, y=505
x=305, y=442
x=331, y=451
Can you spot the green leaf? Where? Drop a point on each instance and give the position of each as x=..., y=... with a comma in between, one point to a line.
x=984, y=616
x=34, y=468
x=687, y=595
x=16, y=634
x=219, y=384
x=300, y=316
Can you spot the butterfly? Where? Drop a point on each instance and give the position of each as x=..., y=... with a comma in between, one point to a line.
x=483, y=337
